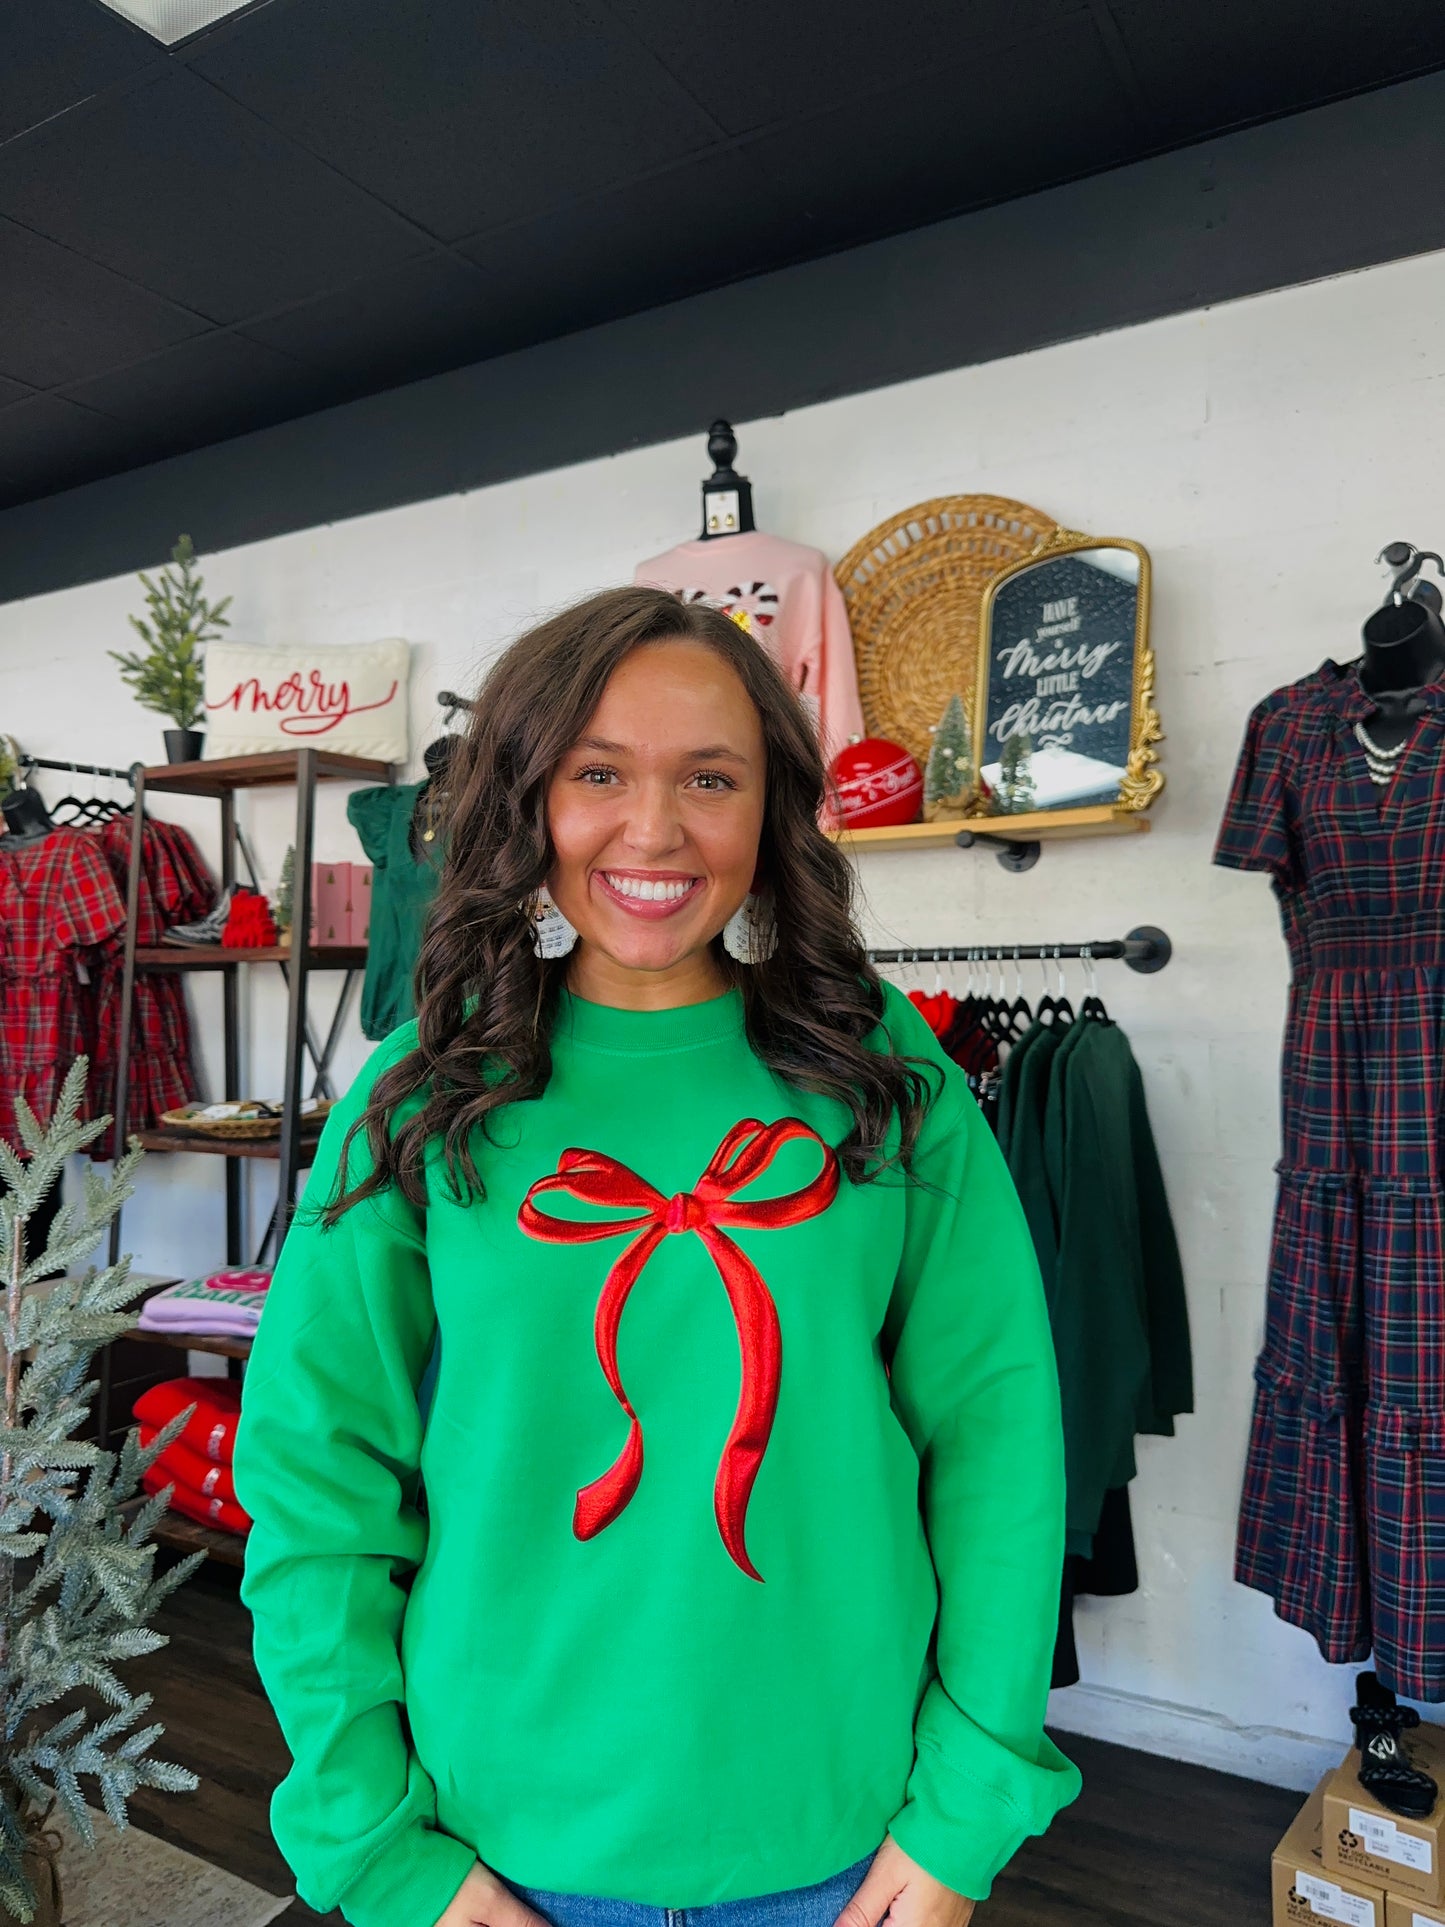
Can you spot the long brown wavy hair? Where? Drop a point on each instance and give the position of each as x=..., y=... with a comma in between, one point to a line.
x=486, y=1002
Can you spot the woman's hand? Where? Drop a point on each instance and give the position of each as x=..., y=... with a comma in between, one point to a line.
x=898, y=1887
x=484, y=1901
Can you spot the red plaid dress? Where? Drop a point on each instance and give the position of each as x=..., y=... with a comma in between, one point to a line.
x=60, y=917
x=174, y=887
x=1342, y=1520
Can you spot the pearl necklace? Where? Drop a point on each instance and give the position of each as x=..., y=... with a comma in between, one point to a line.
x=1382, y=763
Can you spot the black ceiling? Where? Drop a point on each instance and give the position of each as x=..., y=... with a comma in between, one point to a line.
x=319, y=199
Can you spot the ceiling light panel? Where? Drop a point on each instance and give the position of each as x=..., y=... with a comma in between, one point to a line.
x=173, y=20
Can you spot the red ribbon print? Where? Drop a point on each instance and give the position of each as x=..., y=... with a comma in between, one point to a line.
x=594, y=1178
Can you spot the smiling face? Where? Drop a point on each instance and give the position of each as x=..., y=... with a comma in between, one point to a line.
x=655, y=815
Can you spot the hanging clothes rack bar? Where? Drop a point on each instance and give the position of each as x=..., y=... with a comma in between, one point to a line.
x=1146, y=949
x=28, y=763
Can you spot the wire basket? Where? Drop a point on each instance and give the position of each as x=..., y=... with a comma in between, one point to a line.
x=914, y=589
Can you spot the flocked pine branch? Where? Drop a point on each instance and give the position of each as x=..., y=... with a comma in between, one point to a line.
x=83, y=1606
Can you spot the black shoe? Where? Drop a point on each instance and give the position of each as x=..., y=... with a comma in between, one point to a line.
x=1385, y=1768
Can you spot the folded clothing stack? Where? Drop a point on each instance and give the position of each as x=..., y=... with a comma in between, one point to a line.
x=226, y=1304
x=198, y=1463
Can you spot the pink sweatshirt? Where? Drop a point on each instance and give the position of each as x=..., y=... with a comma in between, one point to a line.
x=792, y=605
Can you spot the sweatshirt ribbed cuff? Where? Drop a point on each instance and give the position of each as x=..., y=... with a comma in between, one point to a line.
x=411, y=1882
x=964, y=1832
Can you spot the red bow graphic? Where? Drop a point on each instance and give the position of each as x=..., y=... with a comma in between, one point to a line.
x=594, y=1178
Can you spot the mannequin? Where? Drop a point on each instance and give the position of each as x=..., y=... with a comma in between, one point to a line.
x=781, y=593
x=727, y=497
x=1404, y=649
x=25, y=814
x=427, y=816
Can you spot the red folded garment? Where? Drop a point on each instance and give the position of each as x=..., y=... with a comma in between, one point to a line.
x=249, y=923
x=195, y=1505
x=211, y=1428
x=186, y=1466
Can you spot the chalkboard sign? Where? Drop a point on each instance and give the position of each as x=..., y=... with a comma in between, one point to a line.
x=1066, y=680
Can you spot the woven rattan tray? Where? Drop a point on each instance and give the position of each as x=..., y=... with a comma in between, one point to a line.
x=238, y=1130
x=914, y=588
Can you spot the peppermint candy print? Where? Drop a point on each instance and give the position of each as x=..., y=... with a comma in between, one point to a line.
x=752, y=605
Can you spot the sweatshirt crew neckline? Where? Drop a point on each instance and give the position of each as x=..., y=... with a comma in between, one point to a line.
x=609, y=1027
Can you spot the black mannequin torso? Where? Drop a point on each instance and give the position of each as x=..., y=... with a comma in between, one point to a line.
x=25, y=816
x=1404, y=650
x=727, y=497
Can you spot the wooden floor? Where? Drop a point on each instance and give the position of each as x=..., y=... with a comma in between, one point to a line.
x=1150, y=1843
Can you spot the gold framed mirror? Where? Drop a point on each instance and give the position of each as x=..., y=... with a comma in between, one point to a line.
x=1064, y=709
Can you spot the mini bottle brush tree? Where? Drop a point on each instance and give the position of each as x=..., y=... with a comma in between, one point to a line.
x=168, y=679
x=286, y=889
x=1016, y=792
x=949, y=781
x=76, y=1579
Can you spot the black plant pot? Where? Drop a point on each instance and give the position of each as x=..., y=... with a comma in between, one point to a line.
x=183, y=745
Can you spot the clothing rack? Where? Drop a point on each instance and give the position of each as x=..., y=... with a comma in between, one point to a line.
x=1146, y=949
x=28, y=763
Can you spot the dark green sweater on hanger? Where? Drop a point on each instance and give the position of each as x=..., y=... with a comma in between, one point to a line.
x=1119, y=1317
x=401, y=895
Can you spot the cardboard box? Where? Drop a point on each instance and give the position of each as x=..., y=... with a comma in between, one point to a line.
x=330, y=903
x=1305, y=1892
x=1406, y=1913
x=1368, y=1842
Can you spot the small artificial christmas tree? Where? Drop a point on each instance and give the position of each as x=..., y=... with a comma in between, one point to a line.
x=76, y=1585
x=168, y=680
x=948, y=781
x=286, y=890
x=1015, y=776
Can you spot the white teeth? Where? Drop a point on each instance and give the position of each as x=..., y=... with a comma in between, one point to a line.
x=647, y=889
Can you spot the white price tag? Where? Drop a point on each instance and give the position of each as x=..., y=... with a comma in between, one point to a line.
x=1384, y=1838
x=1333, y=1903
x=1424, y=1920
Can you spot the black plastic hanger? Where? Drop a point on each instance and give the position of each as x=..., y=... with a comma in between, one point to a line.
x=997, y=1019
x=1092, y=1009
x=1020, y=1011
x=1057, y=1011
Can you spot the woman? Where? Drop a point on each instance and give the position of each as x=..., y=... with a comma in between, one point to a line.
x=737, y=1582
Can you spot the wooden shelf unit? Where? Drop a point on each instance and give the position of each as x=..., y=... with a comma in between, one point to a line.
x=218, y=1342
x=294, y=1149
x=230, y=773
x=263, y=1147
x=213, y=956
x=189, y=1535
x=1037, y=826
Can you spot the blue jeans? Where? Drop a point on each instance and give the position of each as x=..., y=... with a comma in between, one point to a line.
x=817, y=1906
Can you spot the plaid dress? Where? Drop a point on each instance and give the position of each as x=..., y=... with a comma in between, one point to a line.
x=174, y=887
x=60, y=919
x=1342, y=1520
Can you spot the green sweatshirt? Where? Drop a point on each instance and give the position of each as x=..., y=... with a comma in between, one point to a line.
x=702, y=1601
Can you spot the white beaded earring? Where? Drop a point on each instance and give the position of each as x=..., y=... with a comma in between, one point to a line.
x=552, y=935
x=750, y=935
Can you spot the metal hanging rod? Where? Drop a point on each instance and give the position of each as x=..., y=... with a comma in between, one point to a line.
x=1146, y=949
x=28, y=763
